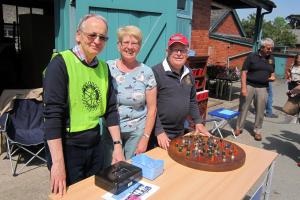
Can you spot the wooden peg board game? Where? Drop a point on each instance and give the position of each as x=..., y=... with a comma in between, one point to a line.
x=206, y=153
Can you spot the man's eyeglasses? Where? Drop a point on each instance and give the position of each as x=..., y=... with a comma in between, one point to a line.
x=176, y=50
x=94, y=36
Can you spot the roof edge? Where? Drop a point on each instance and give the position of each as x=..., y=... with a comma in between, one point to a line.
x=219, y=37
x=215, y=25
x=223, y=17
x=265, y=4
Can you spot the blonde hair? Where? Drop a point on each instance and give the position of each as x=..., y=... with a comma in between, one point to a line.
x=131, y=31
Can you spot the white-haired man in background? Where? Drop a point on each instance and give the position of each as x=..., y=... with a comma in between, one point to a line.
x=258, y=70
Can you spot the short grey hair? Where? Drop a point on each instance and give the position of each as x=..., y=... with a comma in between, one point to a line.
x=86, y=17
x=266, y=41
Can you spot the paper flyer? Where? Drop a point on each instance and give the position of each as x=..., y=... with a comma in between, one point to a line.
x=138, y=191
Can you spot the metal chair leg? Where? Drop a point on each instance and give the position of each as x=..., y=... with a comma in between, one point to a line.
x=34, y=155
x=9, y=156
x=217, y=127
x=230, y=91
x=217, y=87
x=232, y=131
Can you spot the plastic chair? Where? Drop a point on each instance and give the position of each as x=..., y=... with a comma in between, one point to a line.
x=22, y=127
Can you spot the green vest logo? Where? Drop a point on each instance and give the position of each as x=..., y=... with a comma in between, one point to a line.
x=91, y=96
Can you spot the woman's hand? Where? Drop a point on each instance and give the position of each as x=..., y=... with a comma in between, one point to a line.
x=142, y=145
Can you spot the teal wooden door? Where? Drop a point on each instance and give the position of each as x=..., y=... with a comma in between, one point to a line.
x=280, y=63
x=156, y=19
x=184, y=18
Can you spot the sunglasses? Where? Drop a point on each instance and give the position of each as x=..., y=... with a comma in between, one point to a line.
x=176, y=50
x=94, y=36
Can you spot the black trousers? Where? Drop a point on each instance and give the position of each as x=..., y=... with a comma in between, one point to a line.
x=80, y=162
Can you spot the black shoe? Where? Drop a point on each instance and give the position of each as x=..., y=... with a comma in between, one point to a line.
x=271, y=115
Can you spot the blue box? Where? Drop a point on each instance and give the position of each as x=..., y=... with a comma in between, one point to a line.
x=150, y=168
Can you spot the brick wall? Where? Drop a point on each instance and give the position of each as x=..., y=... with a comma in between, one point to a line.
x=219, y=51
x=200, y=27
x=228, y=26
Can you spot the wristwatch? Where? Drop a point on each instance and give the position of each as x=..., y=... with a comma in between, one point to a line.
x=118, y=142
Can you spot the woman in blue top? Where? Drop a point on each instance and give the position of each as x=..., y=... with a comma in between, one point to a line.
x=136, y=92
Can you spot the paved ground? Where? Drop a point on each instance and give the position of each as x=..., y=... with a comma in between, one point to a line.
x=281, y=135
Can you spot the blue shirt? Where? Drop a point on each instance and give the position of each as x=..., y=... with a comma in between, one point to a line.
x=131, y=90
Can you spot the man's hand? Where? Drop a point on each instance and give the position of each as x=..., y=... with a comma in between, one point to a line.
x=243, y=83
x=58, y=178
x=272, y=77
x=142, y=145
x=244, y=92
x=117, y=154
x=163, y=140
x=200, y=128
x=58, y=171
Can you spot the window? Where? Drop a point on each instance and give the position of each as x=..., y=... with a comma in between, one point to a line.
x=37, y=11
x=181, y=4
x=10, y=13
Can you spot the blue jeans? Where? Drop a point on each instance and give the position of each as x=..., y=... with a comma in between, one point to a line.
x=130, y=141
x=269, y=100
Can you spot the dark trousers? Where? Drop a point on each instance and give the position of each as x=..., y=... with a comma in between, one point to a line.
x=80, y=162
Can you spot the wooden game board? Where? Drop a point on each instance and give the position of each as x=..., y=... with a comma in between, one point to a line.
x=206, y=153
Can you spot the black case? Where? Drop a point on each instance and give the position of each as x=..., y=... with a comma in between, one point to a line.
x=118, y=177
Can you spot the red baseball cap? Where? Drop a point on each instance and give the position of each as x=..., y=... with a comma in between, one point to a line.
x=178, y=37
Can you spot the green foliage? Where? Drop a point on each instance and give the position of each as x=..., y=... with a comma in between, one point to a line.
x=278, y=29
x=248, y=25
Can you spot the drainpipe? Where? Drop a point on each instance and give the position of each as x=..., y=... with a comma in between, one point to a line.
x=258, y=26
x=235, y=56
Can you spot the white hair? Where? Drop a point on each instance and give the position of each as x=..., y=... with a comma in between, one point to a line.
x=86, y=17
x=266, y=41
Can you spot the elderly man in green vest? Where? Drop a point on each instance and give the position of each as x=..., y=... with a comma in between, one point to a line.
x=77, y=92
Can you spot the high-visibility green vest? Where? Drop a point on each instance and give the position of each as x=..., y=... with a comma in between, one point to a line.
x=87, y=92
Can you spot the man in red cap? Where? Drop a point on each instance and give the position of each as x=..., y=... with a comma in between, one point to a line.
x=175, y=93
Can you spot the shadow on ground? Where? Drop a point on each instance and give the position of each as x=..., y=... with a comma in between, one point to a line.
x=283, y=144
x=279, y=108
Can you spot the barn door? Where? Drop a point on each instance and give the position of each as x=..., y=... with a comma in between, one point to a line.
x=184, y=17
x=156, y=19
x=280, y=63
